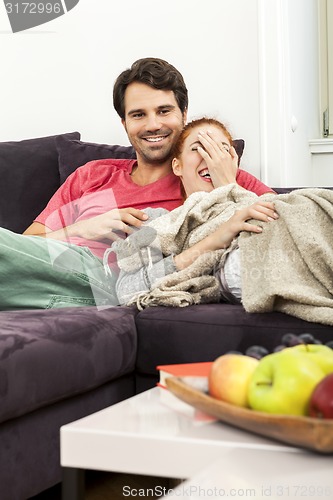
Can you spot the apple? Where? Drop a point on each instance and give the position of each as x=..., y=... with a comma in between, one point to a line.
x=283, y=382
x=320, y=354
x=321, y=401
x=229, y=378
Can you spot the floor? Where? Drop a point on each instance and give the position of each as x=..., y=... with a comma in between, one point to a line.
x=112, y=486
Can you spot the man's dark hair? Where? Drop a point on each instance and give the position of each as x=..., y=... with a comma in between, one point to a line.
x=156, y=73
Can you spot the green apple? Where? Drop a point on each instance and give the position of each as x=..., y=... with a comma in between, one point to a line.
x=320, y=354
x=229, y=378
x=283, y=383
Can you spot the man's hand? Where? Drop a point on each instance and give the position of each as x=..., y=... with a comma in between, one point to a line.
x=112, y=225
x=221, y=159
x=108, y=225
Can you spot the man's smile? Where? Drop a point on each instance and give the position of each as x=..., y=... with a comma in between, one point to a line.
x=155, y=138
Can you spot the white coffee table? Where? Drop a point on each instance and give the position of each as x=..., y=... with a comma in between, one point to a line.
x=156, y=434
x=264, y=474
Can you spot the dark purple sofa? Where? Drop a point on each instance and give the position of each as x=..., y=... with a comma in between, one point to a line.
x=62, y=364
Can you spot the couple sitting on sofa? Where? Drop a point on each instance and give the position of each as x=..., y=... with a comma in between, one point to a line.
x=58, y=261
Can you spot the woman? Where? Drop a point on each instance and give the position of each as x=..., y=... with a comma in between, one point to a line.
x=204, y=159
x=209, y=248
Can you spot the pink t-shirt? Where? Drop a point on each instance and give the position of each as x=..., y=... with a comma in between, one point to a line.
x=251, y=183
x=102, y=185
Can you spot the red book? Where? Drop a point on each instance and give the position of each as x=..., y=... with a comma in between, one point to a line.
x=183, y=370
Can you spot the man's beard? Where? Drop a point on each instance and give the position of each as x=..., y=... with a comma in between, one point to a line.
x=157, y=156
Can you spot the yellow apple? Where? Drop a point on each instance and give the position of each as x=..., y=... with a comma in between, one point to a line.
x=320, y=354
x=229, y=378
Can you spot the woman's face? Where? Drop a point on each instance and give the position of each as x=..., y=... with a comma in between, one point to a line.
x=190, y=166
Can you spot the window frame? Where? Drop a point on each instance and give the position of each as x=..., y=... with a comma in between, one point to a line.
x=326, y=66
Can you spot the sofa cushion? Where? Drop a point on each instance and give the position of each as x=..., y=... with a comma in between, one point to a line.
x=203, y=332
x=74, y=153
x=239, y=145
x=50, y=355
x=29, y=176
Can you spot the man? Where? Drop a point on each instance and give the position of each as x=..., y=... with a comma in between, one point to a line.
x=151, y=99
x=59, y=258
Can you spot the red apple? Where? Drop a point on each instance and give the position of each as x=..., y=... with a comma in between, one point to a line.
x=321, y=400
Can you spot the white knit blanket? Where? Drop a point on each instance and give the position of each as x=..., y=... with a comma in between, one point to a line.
x=288, y=267
x=176, y=231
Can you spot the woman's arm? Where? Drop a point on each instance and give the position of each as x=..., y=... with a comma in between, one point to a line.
x=223, y=236
x=221, y=160
x=222, y=163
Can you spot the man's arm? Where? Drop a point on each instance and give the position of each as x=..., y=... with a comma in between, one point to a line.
x=35, y=229
x=251, y=183
x=39, y=229
x=104, y=226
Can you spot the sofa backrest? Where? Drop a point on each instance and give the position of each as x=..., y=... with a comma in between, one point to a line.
x=29, y=176
x=32, y=170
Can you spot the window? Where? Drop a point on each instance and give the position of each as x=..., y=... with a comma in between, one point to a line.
x=326, y=65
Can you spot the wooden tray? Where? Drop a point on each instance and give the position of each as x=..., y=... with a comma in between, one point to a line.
x=311, y=433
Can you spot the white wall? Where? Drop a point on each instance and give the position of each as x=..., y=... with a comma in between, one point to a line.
x=289, y=89
x=251, y=63
x=59, y=77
